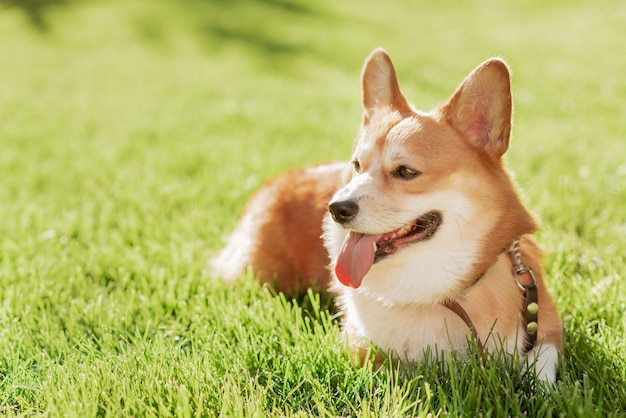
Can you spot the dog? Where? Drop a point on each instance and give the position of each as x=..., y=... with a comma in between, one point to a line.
x=421, y=236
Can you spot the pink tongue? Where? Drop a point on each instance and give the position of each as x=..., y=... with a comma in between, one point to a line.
x=355, y=258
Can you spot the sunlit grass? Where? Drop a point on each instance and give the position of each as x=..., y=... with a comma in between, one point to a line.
x=132, y=133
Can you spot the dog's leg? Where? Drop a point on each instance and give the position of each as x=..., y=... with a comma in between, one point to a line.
x=544, y=358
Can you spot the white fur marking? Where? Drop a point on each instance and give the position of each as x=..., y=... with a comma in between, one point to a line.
x=233, y=260
x=423, y=272
x=545, y=358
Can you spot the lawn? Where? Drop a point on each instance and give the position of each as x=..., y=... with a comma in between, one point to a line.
x=132, y=134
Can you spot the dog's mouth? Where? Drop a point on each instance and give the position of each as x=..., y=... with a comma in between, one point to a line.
x=421, y=229
x=360, y=251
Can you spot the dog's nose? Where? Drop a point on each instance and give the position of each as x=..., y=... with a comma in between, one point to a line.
x=344, y=211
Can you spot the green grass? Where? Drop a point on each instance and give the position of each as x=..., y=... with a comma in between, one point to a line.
x=132, y=133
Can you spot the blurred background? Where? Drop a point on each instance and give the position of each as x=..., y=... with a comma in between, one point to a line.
x=161, y=95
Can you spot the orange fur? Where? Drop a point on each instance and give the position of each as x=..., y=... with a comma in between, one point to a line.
x=280, y=232
x=454, y=160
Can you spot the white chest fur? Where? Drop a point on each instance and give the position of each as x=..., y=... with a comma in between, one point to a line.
x=409, y=330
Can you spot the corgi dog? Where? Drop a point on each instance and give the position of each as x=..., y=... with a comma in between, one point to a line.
x=421, y=236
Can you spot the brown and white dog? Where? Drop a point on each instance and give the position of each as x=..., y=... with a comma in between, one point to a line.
x=424, y=232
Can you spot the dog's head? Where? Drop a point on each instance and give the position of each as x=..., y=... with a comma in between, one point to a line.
x=429, y=206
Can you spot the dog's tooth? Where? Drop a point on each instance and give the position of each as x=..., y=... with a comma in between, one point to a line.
x=375, y=247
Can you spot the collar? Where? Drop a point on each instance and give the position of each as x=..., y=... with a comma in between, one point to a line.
x=530, y=302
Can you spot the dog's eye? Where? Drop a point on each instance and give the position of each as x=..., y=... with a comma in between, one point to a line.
x=356, y=166
x=406, y=173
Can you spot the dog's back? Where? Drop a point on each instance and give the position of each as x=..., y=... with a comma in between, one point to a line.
x=279, y=234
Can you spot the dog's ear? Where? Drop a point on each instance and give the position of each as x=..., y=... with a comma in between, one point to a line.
x=380, y=85
x=481, y=107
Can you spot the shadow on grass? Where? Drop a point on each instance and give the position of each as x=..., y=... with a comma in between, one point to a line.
x=596, y=373
x=265, y=28
x=35, y=10
x=268, y=35
x=273, y=31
